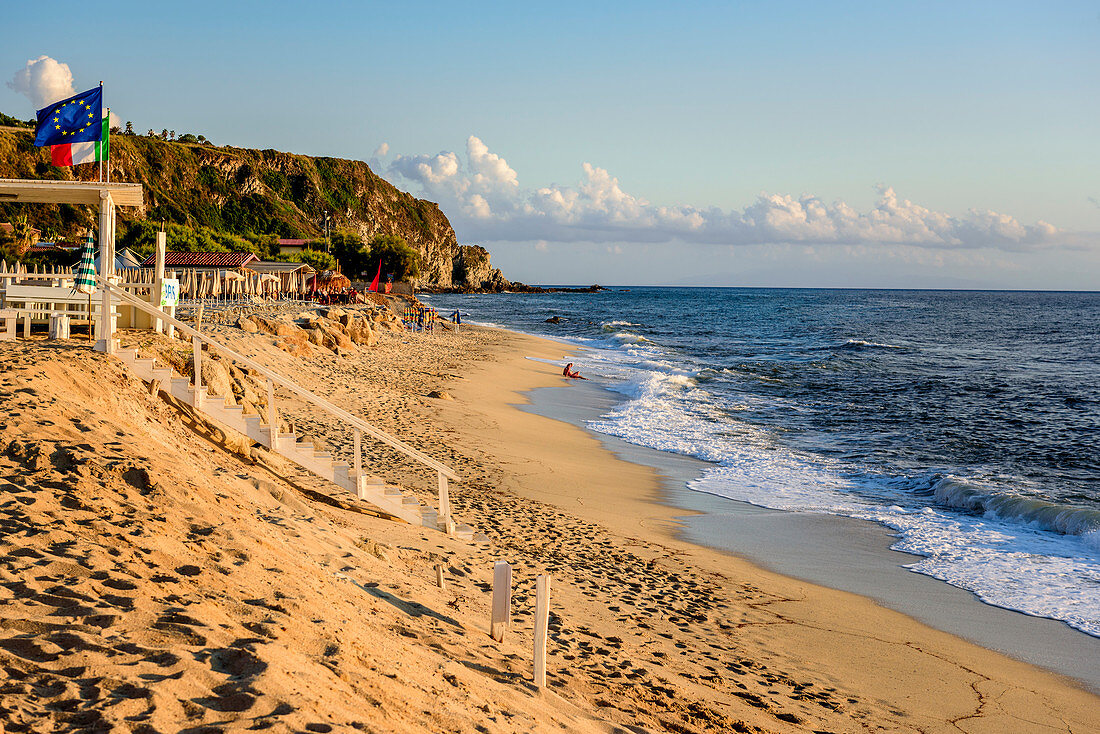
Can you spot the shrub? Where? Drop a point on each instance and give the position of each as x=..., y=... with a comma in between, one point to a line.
x=314, y=258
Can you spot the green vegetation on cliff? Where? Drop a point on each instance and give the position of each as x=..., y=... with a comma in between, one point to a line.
x=241, y=199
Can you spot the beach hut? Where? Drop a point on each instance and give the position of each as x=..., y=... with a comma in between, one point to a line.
x=330, y=281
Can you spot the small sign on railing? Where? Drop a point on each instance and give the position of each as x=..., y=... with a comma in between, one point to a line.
x=169, y=292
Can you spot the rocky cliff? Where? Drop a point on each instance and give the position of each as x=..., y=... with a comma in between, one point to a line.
x=252, y=192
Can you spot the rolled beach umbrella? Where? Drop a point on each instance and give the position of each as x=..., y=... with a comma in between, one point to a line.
x=85, y=271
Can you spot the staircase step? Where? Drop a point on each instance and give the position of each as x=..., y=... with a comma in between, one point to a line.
x=368, y=487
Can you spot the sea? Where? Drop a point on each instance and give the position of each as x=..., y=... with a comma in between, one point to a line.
x=967, y=422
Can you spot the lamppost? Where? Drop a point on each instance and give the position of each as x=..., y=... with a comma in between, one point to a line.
x=326, y=231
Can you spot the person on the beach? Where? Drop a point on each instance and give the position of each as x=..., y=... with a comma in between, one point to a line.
x=568, y=372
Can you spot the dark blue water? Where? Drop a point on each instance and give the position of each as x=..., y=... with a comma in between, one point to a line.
x=967, y=421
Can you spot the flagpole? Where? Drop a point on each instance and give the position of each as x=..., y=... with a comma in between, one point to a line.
x=101, y=134
x=105, y=145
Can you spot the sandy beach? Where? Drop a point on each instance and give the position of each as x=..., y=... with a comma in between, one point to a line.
x=157, y=575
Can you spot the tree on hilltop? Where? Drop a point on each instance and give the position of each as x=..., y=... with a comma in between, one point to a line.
x=129, y=128
x=348, y=248
x=316, y=259
x=398, y=258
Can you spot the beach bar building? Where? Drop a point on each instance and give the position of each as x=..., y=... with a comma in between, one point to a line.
x=50, y=295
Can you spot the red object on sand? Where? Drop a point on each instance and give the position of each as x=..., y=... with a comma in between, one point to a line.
x=374, y=283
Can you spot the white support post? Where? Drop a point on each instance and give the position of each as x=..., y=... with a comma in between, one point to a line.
x=105, y=343
x=158, y=278
x=439, y=577
x=272, y=416
x=196, y=354
x=502, y=600
x=172, y=312
x=542, y=622
x=358, y=454
x=444, y=500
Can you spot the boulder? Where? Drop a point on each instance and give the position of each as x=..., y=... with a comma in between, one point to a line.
x=215, y=376
x=296, y=345
x=276, y=327
x=334, y=314
x=440, y=395
x=248, y=325
x=359, y=331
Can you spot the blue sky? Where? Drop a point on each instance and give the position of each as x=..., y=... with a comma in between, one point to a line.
x=726, y=143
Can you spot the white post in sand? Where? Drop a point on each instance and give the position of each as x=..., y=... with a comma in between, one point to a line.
x=172, y=309
x=105, y=343
x=502, y=600
x=158, y=278
x=542, y=622
x=358, y=455
x=196, y=355
x=439, y=577
x=444, y=502
x=272, y=416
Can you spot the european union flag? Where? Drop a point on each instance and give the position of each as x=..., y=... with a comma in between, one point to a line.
x=74, y=120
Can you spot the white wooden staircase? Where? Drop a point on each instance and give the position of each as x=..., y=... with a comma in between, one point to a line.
x=389, y=498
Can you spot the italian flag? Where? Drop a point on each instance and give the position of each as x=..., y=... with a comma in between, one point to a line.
x=72, y=154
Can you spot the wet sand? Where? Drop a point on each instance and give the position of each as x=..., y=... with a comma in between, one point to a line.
x=837, y=552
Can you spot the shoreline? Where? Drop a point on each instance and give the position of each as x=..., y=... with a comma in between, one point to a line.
x=836, y=552
x=849, y=640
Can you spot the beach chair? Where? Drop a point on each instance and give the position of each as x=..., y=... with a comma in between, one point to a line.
x=408, y=318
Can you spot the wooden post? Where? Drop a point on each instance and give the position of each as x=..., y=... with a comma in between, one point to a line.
x=542, y=622
x=198, y=318
x=439, y=577
x=196, y=356
x=502, y=600
x=358, y=454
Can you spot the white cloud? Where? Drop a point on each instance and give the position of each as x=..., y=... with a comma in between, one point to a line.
x=43, y=81
x=483, y=197
x=382, y=150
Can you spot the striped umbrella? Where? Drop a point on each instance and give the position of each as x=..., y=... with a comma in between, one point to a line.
x=85, y=271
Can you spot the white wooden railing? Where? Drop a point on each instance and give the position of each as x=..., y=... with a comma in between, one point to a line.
x=358, y=425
